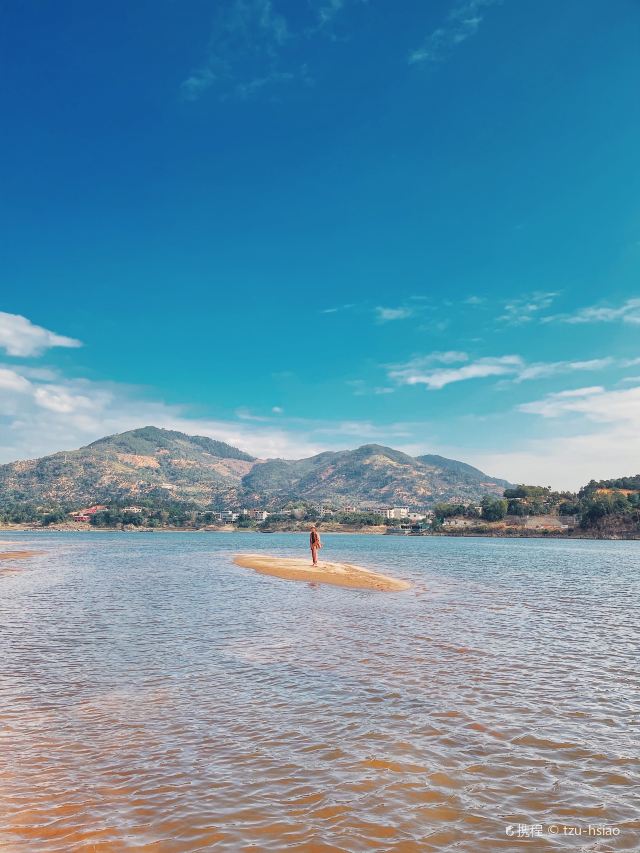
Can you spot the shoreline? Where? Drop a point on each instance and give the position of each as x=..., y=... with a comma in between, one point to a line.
x=334, y=574
x=458, y=534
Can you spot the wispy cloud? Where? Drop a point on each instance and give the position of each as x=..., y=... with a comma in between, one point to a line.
x=429, y=370
x=462, y=22
x=20, y=337
x=544, y=369
x=327, y=11
x=627, y=312
x=337, y=308
x=592, y=433
x=248, y=48
x=243, y=49
x=525, y=309
x=417, y=373
x=593, y=402
x=44, y=411
x=386, y=315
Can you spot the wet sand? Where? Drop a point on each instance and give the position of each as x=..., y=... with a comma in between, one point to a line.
x=16, y=555
x=337, y=574
x=7, y=560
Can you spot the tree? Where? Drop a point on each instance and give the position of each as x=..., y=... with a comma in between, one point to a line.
x=493, y=509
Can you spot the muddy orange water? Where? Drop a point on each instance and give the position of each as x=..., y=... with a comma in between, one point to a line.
x=156, y=698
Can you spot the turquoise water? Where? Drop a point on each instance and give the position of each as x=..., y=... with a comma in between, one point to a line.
x=156, y=697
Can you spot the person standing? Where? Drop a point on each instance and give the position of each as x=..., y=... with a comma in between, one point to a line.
x=315, y=543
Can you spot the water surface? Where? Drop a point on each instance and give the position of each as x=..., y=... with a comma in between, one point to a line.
x=155, y=697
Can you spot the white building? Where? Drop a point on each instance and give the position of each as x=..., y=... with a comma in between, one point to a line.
x=227, y=516
x=258, y=514
x=396, y=512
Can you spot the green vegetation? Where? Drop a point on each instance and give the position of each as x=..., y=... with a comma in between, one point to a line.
x=604, y=507
x=151, y=464
x=150, y=439
x=457, y=510
x=494, y=509
x=598, y=505
x=179, y=481
x=630, y=483
x=600, y=510
x=27, y=513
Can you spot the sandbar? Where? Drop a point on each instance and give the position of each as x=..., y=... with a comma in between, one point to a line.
x=337, y=574
x=9, y=556
x=16, y=555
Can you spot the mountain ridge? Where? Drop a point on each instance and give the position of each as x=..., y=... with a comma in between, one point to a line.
x=154, y=464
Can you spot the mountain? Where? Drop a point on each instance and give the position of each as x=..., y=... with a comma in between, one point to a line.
x=372, y=474
x=460, y=472
x=159, y=465
x=149, y=463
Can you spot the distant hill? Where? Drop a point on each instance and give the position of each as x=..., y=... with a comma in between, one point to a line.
x=149, y=463
x=371, y=474
x=460, y=472
x=154, y=464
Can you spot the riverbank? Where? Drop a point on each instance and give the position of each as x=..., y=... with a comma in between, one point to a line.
x=490, y=531
x=335, y=574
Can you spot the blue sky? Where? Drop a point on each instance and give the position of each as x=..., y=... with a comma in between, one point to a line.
x=307, y=225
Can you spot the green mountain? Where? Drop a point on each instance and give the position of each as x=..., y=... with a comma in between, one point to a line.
x=460, y=472
x=158, y=465
x=148, y=463
x=371, y=474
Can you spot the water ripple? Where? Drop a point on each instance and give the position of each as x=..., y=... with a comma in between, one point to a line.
x=155, y=697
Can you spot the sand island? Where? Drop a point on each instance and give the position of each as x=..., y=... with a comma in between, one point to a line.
x=8, y=557
x=16, y=555
x=337, y=574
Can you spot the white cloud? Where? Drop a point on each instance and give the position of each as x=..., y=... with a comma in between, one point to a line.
x=541, y=370
x=513, y=368
x=462, y=22
x=528, y=308
x=246, y=38
x=41, y=417
x=45, y=412
x=197, y=83
x=337, y=308
x=385, y=315
x=12, y=381
x=328, y=10
x=247, y=51
x=627, y=312
x=607, y=443
x=20, y=337
x=44, y=415
x=422, y=372
x=593, y=403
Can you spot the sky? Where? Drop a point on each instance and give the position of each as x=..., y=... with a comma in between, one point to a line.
x=299, y=225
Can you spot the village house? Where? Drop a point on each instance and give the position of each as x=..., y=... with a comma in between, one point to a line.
x=255, y=514
x=227, y=516
x=85, y=515
x=416, y=516
x=396, y=512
